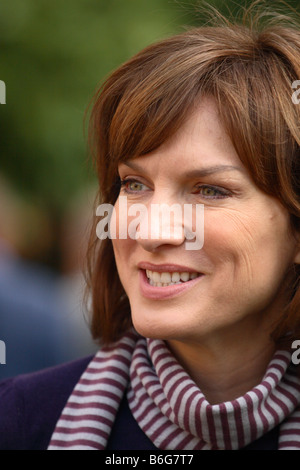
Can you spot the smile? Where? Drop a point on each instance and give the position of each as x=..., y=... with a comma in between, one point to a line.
x=163, y=284
x=165, y=279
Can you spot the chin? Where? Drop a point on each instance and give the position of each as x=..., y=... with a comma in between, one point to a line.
x=157, y=329
x=149, y=330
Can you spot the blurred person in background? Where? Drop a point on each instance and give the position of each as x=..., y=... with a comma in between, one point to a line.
x=38, y=324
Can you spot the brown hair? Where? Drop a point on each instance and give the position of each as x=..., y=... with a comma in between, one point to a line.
x=249, y=70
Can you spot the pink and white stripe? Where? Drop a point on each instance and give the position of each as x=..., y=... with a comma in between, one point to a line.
x=168, y=405
x=89, y=414
x=165, y=397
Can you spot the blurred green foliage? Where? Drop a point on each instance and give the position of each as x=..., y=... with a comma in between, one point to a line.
x=54, y=53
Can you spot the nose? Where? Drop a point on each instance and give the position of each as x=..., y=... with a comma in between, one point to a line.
x=161, y=224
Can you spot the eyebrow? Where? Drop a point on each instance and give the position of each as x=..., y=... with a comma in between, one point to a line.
x=199, y=172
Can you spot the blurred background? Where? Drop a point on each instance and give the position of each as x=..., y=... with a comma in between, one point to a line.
x=53, y=55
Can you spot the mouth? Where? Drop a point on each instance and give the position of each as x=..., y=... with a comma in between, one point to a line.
x=165, y=279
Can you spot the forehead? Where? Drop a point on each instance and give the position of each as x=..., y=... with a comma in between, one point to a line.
x=200, y=143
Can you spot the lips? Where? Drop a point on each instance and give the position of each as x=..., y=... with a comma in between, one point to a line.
x=167, y=280
x=166, y=267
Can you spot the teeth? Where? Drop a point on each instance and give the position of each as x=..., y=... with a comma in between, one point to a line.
x=165, y=278
x=184, y=277
x=168, y=279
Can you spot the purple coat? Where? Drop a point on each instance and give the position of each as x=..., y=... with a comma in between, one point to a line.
x=31, y=404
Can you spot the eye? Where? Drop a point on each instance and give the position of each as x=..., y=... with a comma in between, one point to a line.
x=212, y=192
x=133, y=186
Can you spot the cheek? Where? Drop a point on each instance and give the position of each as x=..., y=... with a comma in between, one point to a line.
x=122, y=250
x=123, y=244
x=253, y=247
x=123, y=224
x=228, y=236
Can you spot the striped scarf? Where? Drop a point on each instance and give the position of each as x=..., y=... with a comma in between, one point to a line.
x=170, y=408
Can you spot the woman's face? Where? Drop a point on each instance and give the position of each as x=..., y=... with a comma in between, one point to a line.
x=235, y=282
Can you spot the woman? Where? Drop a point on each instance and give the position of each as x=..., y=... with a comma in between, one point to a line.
x=196, y=343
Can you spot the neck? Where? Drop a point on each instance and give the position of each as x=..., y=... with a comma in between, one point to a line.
x=224, y=372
